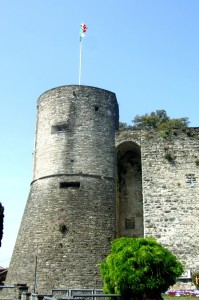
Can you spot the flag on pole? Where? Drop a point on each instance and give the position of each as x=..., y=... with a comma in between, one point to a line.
x=83, y=29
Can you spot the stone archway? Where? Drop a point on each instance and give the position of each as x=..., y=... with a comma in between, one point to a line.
x=129, y=208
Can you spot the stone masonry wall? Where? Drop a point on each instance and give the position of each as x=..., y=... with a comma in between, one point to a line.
x=75, y=132
x=69, y=219
x=73, y=211
x=170, y=185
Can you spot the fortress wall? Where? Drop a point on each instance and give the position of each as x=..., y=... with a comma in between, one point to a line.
x=69, y=219
x=75, y=132
x=170, y=186
x=170, y=191
x=81, y=197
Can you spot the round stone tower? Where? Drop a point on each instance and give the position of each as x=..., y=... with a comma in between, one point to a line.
x=69, y=219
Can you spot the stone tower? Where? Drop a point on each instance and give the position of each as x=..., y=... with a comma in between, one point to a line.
x=69, y=219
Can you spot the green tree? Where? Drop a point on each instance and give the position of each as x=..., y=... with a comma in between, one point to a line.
x=159, y=120
x=123, y=126
x=1, y=221
x=139, y=267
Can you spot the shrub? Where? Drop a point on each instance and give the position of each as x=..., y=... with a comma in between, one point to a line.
x=139, y=266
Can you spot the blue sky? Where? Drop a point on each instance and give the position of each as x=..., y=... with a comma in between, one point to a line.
x=146, y=51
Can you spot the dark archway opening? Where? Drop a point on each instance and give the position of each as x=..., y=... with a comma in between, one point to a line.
x=129, y=208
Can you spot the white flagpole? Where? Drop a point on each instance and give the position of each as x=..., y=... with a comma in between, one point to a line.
x=83, y=29
x=80, y=60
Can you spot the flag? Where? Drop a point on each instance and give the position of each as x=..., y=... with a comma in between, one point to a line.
x=83, y=29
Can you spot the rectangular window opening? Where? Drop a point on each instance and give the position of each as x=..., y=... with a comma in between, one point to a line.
x=191, y=179
x=68, y=184
x=59, y=128
x=96, y=108
x=130, y=223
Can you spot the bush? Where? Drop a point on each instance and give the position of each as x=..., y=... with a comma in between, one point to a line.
x=139, y=266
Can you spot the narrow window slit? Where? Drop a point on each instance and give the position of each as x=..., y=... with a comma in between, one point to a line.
x=68, y=184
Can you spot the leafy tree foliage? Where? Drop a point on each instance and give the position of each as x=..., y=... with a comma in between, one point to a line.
x=124, y=126
x=137, y=267
x=1, y=221
x=159, y=120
